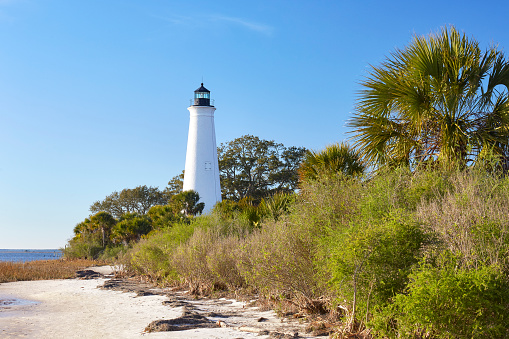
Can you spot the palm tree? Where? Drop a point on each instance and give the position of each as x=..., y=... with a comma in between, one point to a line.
x=102, y=221
x=336, y=158
x=440, y=100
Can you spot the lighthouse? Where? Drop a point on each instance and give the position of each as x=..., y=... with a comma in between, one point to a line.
x=202, y=169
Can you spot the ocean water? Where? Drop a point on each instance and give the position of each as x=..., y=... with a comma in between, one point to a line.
x=29, y=255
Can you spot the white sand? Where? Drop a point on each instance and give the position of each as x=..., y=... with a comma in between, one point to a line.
x=78, y=309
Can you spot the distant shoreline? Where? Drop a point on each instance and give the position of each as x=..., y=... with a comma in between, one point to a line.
x=25, y=255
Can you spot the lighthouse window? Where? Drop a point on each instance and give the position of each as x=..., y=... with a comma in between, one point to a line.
x=200, y=95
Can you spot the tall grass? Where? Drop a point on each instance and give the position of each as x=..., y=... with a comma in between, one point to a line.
x=42, y=269
x=472, y=219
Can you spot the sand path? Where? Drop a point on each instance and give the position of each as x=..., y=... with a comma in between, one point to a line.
x=76, y=308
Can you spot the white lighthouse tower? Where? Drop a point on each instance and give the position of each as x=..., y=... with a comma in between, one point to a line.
x=202, y=169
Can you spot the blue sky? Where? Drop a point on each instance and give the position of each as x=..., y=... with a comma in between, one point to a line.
x=94, y=94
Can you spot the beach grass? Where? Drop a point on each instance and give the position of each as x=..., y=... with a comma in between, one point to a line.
x=43, y=269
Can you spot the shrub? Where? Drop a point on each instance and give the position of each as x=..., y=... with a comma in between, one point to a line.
x=278, y=260
x=471, y=219
x=113, y=253
x=277, y=205
x=151, y=256
x=447, y=302
x=207, y=262
x=327, y=203
x=85, y=246
x=163, y=216
x=400, y=188
x=244, y=213
x=370, y=262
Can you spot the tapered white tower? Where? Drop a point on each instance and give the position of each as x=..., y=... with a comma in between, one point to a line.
x=202, y=169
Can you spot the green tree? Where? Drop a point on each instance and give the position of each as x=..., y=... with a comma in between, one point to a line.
x=336, y=158
x=252, y=167
x=163, y=216
x=187, y=203
x=130, y=227
x=86, y=243
x=175, y=185
x=136, y=200
x=82, y=228
x=440, y=100
x=103, y=222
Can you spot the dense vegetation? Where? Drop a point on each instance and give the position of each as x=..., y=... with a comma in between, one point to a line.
x=418, y=247
x=403, y=253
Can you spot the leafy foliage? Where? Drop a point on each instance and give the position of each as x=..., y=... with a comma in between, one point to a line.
x=450, y=303
x=277, y=205
x=336, y=158
x=256, y=168
x=152, y=256
x=187, y=203
x=137, y=200
x=440, y=99
x=163, y=216
x=370, y=263
x=175, y=185
x=130, y=227
x=103, y=222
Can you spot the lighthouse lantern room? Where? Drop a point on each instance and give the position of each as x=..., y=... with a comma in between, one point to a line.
x=202, y=96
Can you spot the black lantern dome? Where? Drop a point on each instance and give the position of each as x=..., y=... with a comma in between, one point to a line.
x=202, y=96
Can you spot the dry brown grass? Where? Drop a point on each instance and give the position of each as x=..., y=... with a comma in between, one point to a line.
x=42, y=269
x=472, y=220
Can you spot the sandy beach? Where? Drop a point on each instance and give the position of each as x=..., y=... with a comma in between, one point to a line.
x=76, y=308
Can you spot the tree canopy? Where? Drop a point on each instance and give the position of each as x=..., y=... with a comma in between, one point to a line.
x=440, y=100
x=256, y=168
x=130, y=227
x=137, y=200
x=187, y=203
x=175, y=185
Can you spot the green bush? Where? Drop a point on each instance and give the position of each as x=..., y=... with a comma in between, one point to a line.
x=85, y=246
x=113, y=253
x=244, y=212
x=402, y=189
x=152, y=256
x=285, y=258
x=277, y=205
x=327, y=203
x=370, y=262
x=447, y=302
x=130, y=228
x=163, y=216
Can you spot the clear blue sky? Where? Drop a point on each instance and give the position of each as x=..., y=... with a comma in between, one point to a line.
x=93, y=94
